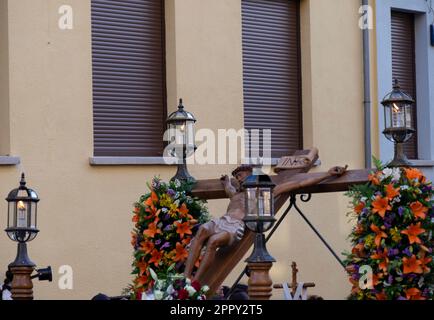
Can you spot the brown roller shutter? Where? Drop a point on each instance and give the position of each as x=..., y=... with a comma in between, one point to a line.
x=271, y=62
x=128, y=77
x=404, y=65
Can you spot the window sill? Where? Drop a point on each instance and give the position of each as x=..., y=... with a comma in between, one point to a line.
x=9, y=161
x=130, y=161
x=274, y=161
x=422, y=163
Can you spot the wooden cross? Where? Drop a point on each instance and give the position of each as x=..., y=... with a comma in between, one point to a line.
x=290, y=169
x=294, y=283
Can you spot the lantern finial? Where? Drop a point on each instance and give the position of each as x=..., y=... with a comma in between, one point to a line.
x=181, y=106
x=396, y=85
x=23, y=180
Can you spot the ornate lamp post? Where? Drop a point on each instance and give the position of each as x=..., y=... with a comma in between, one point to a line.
x=22, y=218
x=259, y=218
x=398, y=128
x=21, y=227
x=180, y=125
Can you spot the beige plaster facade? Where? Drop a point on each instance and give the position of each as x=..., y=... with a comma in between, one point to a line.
x=84, y=212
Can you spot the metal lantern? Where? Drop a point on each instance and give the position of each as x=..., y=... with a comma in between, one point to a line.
x=22, y=213
x=259, y=205
x=180, y=125
x=398, y=122
x=22, y=222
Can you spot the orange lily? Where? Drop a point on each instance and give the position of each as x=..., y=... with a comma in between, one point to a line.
x=425, y=261
x=384, y=259
x=413, y=294
x=379, y=234
x=156, y=257
x=381, y=205
x=418, y=209
x=152, y=230
x=143, y=267
x=183, y=210
x=359, y=207
x=412, y=265
x=141, y=281
x=391, y=192
x=359, y=250
x=374, y=179
x=133, y=239
x=152, y=199
x=180, y=253
x=412, y=232
x=182, y=228
x=186, y=241
x=381, y=296
x=147, y=246
x=413, y=173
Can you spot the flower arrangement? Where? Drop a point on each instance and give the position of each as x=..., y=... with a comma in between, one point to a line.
x=174, y=286
x=392, y=236
x=165, y=220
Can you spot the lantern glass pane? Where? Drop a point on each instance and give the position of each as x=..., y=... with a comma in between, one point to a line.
x=33, y=215
x=190, y=134
x=265, y=198
x=12, y=215
x=387, y=117
x=22, y=194
x=398, y=116
x=408, y=116
x=22, y=214
x=251, y=205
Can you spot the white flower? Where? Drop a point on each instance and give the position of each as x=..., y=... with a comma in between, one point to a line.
x=170, y=290
x=363, y=199
x=396, y=174
x=158, y=295
x=148, y=296
x=190, y=289
x=405, y=187
x=205, y=289
x=188, y=281
x=387, y=173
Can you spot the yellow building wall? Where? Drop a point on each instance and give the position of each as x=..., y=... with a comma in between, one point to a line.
x=84, y=213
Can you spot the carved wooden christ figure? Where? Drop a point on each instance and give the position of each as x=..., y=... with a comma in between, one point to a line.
x=226, y=230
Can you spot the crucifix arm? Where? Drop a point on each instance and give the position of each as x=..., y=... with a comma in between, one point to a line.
x=294, y=185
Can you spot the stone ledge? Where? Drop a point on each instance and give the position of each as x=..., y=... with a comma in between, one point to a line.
x=9, y=161
x=129, y=161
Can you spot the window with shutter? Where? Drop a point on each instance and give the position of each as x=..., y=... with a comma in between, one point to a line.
x=128, y=77
x=404, y=65
x=271, y=64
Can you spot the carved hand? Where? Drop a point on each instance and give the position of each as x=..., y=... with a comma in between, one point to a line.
x=338, y=171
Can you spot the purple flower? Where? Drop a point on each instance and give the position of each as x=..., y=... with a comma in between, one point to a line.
x=401, y=298
x=168, y=227
x=426, y=189
x=393, y=252
x=407, y=252
x=400, y=211
x=165, y=245
x=171, y=192
x=166, y=217
x=378, y=193
x=158, y=242
x=390, y=279
x=387, y=225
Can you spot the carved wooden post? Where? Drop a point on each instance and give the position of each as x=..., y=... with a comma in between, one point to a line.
x=260, y=284
x=22, y=286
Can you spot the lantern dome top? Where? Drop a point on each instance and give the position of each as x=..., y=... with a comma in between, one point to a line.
x=180, y=114
x=397, y=95
x=22, y=192
x=260, y=180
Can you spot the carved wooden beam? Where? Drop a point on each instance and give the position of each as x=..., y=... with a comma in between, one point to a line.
x=213, y=189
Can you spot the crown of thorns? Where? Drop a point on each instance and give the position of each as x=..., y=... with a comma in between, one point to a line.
x=243, y=167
